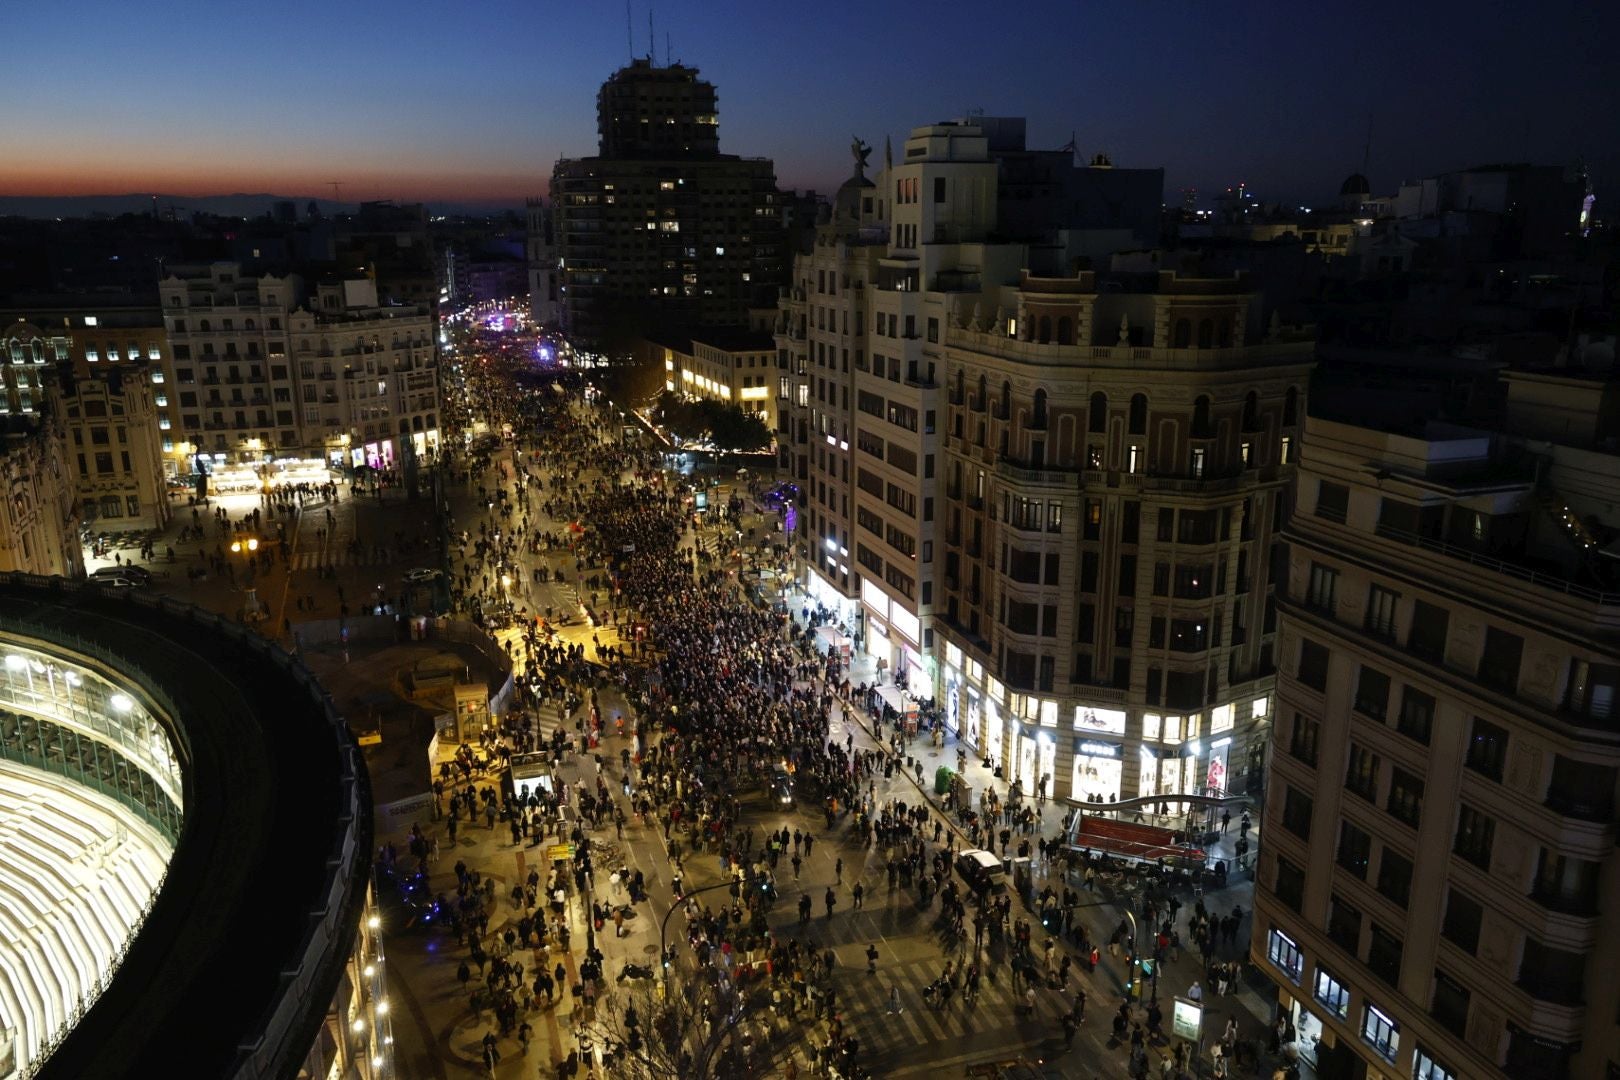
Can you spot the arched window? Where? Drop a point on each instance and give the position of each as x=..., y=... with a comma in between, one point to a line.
x=1043, y=333
x=1037, y=414
x=1226, y=334
x=1065, y=331
x=251, y=324
x=984, y=394
x=1206, y=333
x=1291, y=407
x=1004, y=406
x=1183, y=337
x=1138, y=423
x=1099, y=413
x=1251, y=412
x=203, y=325
x=961, y=385
x=1200, y=422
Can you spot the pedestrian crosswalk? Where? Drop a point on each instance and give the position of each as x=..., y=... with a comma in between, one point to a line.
x=989, y=1022
x=310, y=560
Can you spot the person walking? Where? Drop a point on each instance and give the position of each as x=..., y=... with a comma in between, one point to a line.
x=871, y=959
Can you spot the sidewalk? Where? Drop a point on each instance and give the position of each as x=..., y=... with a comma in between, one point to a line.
x=1253, y=1007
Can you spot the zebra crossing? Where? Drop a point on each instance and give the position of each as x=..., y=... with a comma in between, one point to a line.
x=983, y=1025
x=310, y=560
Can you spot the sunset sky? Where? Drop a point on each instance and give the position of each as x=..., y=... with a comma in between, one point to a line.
x=472, y=103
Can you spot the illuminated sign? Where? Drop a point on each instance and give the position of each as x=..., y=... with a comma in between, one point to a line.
x=1101, y=721
x=1186, y=1020
x=1095, y=749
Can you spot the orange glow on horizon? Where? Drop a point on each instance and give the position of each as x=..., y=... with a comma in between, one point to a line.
x=427, y=185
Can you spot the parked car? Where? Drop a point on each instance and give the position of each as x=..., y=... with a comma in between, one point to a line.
x=422, y=575
x=138, y=574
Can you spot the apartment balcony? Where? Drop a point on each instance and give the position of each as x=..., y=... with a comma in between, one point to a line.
x=1042, y=475
x=1523, y=568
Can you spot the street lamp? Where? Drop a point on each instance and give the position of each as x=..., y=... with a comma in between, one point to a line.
x=248, y=546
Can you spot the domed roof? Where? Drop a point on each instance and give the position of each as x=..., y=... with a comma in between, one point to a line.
x=1355, y=184
x=847, y=200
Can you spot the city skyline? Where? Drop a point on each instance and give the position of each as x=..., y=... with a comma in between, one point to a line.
x=1281, y=104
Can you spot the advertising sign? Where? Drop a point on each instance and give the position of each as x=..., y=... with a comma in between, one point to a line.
x=1099, y=721
x=1187, y=1019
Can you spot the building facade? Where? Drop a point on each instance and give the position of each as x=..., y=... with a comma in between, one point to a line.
x=367, y=379
x=726, y=364
x=661, y=230
x=115, y=447
x=1441, y=813
x=233, y=381
x=1115, y=461
x=266, y=369
x=541, y=257
x=1044, y=499
x=39, y=527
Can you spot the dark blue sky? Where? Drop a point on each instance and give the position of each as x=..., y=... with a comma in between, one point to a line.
x=468, y=103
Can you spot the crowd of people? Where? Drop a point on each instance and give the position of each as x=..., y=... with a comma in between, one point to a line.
x=722, y=692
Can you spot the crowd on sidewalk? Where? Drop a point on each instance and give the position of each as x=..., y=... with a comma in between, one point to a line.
x=721, y=694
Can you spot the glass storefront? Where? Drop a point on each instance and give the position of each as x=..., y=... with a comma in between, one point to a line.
x=994, y=733
x=1098, y=771
x=1216, y=770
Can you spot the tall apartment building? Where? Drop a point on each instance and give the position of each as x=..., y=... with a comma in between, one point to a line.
x=39, y=524
x=228, y=346
x=660, y=230
x=115, y=446
x=1116, y=455
x=367, y=378
x=1441, y=845
x=263, y=367
x=541, y=256
x=98, y=371
x=1046, y=499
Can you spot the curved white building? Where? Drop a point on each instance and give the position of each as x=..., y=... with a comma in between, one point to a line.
x=90, y=810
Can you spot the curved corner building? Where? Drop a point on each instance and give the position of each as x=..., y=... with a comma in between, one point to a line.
x=185, y=840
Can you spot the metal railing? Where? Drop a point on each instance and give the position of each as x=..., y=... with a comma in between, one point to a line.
x=1542, y=578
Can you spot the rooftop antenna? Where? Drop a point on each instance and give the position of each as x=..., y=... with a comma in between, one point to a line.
x=667, y=60
x=652, y=41
x=337, y=190
x=1366, y=152
x=629, y=38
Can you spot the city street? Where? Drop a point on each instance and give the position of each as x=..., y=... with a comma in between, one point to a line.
x=353, y=551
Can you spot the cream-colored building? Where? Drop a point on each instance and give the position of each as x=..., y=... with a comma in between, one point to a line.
x=725, y=364
x=233, y=381
x=1044, y=497
x=1440, y=828
x=39, y=525
x=367, y=378
x=265, y=368
x=115, y=448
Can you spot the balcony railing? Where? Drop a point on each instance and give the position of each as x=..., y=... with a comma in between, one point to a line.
x=1543, y=578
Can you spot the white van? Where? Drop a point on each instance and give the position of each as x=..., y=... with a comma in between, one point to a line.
x=980, y=869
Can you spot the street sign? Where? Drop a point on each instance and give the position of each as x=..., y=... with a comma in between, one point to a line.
x=559, y=851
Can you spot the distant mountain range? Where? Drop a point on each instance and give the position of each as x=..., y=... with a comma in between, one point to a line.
x=237, y=205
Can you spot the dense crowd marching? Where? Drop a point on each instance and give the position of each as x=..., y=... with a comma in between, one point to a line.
x=723, y=692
